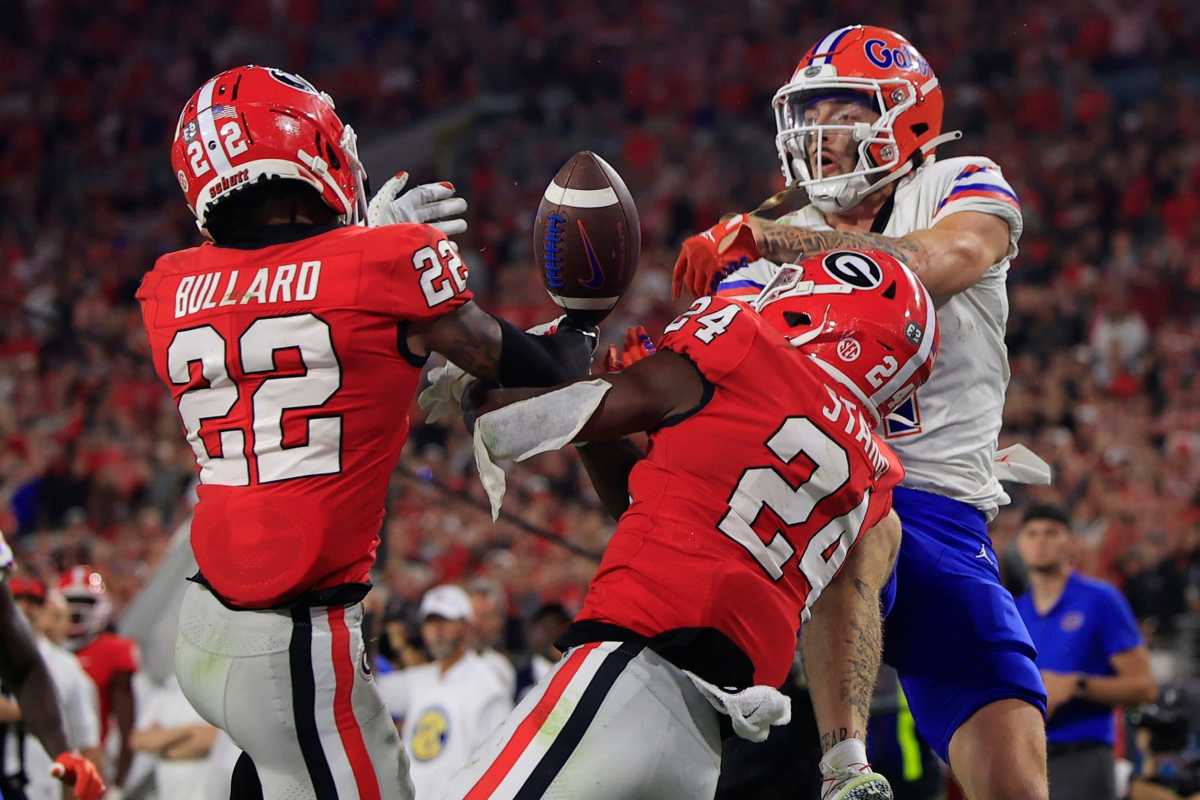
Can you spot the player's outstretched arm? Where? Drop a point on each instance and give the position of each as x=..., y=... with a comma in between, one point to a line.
x=637, y=399
x=493, y=349
x=948, y=258
x=654, y=389
x=22, y=669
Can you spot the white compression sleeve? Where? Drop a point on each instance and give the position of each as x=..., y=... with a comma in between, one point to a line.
x=529, y=427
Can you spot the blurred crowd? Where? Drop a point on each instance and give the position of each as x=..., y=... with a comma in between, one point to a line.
x=1091, y=108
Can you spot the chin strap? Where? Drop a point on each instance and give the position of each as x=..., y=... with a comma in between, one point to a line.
x=356, y=212
x=937, y=141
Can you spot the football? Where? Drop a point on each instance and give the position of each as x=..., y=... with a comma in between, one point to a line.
x=587, y=238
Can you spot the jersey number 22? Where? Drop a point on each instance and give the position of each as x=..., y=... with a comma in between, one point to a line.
x=256, y=347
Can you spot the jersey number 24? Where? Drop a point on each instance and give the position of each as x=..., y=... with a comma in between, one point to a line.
x=760, y=488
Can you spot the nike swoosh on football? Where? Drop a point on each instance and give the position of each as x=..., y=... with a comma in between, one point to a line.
x=596, y=279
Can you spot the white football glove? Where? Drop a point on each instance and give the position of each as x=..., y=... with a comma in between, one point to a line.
x=431, y=203
x=442, y=398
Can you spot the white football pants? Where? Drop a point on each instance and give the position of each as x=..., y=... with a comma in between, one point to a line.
x=293, y=690
x=611, y=721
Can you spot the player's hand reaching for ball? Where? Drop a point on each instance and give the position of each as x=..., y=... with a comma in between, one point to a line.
x=80, y=774
x=444, y=397
x=430, y=203
x=706, y=258
x=638, y=345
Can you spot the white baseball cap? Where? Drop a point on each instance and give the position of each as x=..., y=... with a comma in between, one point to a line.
x=447, y=601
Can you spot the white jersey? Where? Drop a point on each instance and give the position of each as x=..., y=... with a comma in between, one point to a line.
x=177, y=778
x=80, y=701
x=503, y=668
x=946, y=434
x=445, y=716
x=81, y=721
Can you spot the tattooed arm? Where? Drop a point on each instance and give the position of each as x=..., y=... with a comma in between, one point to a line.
x=948, y=258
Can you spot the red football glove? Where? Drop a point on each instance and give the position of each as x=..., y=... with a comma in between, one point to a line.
x=706, y=258
x=638, y=345
x=80, y=774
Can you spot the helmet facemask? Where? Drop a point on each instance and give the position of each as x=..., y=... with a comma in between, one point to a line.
x=801, y=143
x=789, y=281
x=350, y=146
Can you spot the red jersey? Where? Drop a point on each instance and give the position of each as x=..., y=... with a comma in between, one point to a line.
x=743, y=511
x=102, y=659
x=289, y=367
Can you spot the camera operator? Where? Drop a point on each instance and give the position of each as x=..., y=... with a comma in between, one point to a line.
x=1168, y=772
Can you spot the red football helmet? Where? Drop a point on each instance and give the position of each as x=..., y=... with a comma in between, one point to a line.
x=863, y=317
x=87, y=597
x=28, y=587
x=250, y=123
x=880, y=67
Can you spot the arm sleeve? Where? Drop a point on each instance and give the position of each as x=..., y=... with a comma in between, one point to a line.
x=542, y=360
x=1120, y=632
x=715, y=334
x=977, y=184
x=413, y=273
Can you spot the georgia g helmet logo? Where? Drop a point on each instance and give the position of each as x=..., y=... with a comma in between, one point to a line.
x=853, y=269
x=862, y=317
x=293, y=80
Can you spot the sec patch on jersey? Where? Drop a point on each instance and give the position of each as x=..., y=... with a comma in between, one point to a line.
x=587, y=237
